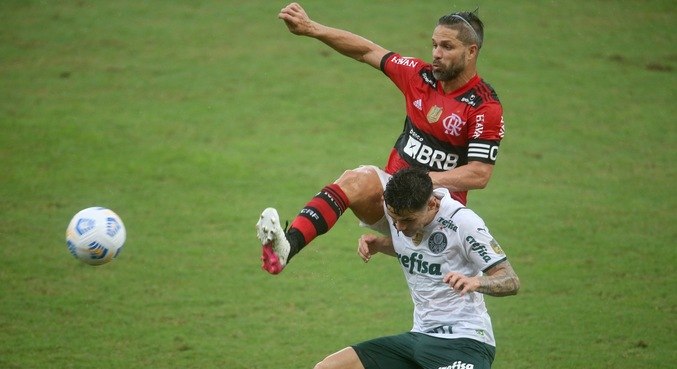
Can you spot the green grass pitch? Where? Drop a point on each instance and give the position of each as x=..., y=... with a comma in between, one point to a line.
x=189, y=117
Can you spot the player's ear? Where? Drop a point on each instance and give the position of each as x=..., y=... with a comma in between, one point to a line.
x=432, y=203
x=472, y=51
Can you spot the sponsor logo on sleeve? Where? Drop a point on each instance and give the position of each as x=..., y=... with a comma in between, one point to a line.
x=405, y=61
x=479, y=248
x=501, y=131
x=479, y=126
x=497, y=248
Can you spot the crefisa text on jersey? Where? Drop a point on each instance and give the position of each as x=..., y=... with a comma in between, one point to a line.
x=415, y=262
x=479, y=248
x=447, y=223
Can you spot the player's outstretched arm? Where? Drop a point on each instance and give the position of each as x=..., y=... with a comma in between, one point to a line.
x=357, y=47
x=500, y=280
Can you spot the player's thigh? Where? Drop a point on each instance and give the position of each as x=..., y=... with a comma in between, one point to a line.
x=364, y=188
x=361, y=183
x=435, y=353
x=391, y=352
x=344, y=359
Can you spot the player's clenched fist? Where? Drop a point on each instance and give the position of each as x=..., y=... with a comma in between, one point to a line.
x=370, y=244
x=296, y=19
x=366, y=246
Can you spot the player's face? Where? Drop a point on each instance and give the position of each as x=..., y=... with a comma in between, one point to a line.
x=409, y=221
x=450, y=55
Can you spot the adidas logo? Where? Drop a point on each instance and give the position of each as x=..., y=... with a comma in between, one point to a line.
x=458, y=365
x=418, y=104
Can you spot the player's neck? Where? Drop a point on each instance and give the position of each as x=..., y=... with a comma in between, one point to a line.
x=458, y=82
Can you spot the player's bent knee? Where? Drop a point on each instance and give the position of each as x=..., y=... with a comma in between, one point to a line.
x=350, y=177
x=359, y=181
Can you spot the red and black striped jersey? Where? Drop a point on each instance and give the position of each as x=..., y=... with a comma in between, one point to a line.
x=443, y=131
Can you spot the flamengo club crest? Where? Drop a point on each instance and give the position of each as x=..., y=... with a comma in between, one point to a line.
x=434, y=114
x=453, y=125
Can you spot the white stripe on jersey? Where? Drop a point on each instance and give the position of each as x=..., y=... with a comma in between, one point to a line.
x=478, y=150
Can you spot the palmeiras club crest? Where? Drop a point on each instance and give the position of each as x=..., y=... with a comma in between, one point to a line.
x=437, y=242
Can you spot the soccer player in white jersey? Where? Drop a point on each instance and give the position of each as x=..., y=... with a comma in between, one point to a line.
x=450, y=261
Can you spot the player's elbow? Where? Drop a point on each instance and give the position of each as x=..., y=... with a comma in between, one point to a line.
x=482, y=183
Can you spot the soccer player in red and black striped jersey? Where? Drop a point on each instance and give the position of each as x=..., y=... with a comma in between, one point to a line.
x=452, y=128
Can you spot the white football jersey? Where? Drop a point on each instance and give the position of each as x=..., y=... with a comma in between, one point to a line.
x=456, y=240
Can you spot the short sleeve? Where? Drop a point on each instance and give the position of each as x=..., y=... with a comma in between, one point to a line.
x=401, y=69
x=479, y=245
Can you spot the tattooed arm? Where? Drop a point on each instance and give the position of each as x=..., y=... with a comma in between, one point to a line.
x=500, y=280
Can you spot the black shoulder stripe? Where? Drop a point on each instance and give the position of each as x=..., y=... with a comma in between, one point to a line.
x=487, y=91
x=457, y=210
x=494, y=264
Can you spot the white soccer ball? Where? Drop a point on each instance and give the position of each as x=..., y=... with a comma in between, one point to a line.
x=95, y=235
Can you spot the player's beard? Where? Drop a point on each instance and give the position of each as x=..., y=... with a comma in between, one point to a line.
x=452, y=72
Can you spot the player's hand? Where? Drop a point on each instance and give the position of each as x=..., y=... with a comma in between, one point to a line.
x=461, y=283
x=367, y=246
x=296, y=19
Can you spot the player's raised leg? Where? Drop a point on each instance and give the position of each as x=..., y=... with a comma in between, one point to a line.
x=365, y=190
x=360, y=189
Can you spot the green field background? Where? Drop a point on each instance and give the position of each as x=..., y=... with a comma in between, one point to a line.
x=189, y=117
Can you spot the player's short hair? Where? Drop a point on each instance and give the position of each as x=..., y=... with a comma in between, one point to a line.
x=469, y=26
x=408, y=190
